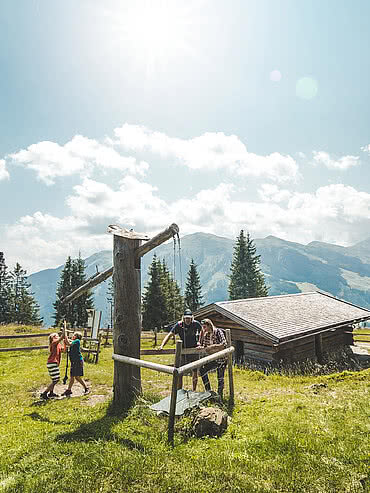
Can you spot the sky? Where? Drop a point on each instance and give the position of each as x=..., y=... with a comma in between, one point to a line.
x=218, y=115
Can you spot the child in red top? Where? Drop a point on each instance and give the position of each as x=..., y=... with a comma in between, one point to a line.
x=53, y=363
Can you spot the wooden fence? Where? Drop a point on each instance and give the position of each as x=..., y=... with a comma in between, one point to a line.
x=178, y=371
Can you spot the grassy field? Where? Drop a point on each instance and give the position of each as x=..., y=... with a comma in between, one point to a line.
x=287, y=434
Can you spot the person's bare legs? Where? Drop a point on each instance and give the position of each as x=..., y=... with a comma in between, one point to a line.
x=81, y=381
x=195, y=380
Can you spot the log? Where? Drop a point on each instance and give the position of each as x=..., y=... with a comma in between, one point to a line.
x=26, y=336
x=140, y=363
x=127, y=321
x=30, y=348
x=88, y=285
x=197, y=364
x=157, y=240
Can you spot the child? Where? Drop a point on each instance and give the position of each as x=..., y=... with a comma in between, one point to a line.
x=53, y=363
x=77, y=363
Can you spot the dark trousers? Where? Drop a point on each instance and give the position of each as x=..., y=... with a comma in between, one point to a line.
x=220, y=366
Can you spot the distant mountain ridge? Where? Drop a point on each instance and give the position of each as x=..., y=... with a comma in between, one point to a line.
x=289, y=267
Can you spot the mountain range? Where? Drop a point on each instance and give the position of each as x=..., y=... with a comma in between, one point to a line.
x=288, y=268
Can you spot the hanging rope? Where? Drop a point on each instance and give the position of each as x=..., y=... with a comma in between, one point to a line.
x=180, y=264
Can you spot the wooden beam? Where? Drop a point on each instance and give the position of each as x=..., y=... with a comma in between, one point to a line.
x=143, y=364
x=94, y=281
x=212, y=357
x=25, y=336
x=230, y=367
x=3, y=350
x=157, y=240
x=171, y=417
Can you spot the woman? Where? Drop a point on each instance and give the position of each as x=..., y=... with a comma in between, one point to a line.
x=212, y=339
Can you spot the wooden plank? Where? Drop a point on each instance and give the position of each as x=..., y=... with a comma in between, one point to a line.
x=140, y=363
x=230, y=368
x=30, y=348
x=260, y=347
x=26, y=336
x=258, y=355
x=126, y=233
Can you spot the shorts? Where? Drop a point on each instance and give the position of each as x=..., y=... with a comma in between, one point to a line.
x=77, y=369
x=54, y=372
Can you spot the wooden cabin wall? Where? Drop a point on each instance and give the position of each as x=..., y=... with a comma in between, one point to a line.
x=247, y=344
x=336, y=339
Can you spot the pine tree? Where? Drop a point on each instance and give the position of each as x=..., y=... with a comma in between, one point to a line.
x=72, y=276
x=154, y=299
x=5, y=291
x=193, y=288
x=246, y=279
x=173, y=299
x=24, y=308
x=85, y=301
x=64, y=287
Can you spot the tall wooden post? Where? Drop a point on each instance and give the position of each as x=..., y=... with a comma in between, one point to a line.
x=127, y=320
x=127, y=253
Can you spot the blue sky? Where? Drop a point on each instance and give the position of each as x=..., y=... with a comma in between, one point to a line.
x=217, y=115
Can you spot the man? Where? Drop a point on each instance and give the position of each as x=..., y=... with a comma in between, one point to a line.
x=188, y=330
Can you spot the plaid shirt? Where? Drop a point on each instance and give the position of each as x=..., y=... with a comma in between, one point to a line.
x=215, y=337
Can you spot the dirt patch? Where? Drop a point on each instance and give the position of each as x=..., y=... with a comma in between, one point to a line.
x=97, y=395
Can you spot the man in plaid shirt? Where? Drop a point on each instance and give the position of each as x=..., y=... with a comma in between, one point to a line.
x=212, y=339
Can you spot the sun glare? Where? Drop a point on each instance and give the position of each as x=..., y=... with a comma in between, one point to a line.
x=156, y=33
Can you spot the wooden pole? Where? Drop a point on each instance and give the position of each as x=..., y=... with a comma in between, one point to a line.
x=171, y=417
x=158, y=240
x=88, y=285
x=230, y=367
x=127, y=320
x=144, y=364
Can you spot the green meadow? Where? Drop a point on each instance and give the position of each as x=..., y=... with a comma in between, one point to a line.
x=286, y=434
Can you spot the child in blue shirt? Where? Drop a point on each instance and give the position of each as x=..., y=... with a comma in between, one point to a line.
x=77, y=363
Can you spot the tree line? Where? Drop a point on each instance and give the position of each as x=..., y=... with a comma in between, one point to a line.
x=162, y=301
x=17, y=304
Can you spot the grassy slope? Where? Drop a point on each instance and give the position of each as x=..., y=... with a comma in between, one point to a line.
x=284, y=436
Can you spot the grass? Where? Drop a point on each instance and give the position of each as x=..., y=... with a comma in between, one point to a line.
x=287, y=434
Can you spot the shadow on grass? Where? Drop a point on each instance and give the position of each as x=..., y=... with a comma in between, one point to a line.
x=100, y=429
x=42, y=419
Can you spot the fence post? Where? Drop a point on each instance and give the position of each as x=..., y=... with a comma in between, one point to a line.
x=230, y=367
x=155, y=336
x=171, y=417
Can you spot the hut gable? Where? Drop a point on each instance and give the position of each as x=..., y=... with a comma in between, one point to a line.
x=288, y=316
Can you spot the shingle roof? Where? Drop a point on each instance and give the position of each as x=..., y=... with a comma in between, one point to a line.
x=289, y=316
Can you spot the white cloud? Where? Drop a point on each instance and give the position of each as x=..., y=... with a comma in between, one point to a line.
x=78, y=156
x=366, y=148
x=3, y=172
x=345, y=162
x=209, y=151
x=335, y=213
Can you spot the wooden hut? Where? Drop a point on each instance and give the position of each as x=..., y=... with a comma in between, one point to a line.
x=289, y=327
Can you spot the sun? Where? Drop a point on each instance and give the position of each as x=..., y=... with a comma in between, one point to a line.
x=156, y=33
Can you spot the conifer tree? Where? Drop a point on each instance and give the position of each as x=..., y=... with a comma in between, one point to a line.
x=174, y=300
x=4, y=291
x=72, y=276
x=154, y=299
x=24, y=308
x=64, y=288
x=246, y=279
x=193, y=288
x=85, y=301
